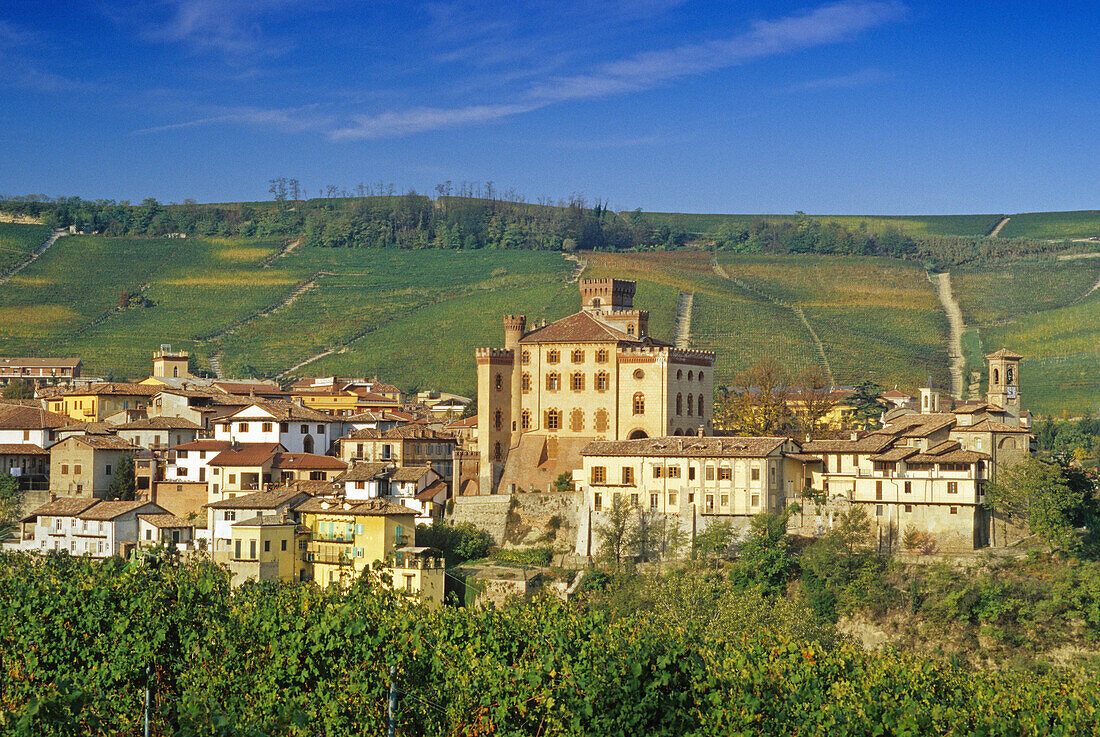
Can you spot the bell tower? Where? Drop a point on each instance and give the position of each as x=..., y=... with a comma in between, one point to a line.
x=1004, y=380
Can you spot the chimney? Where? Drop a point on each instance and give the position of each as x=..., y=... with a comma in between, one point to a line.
x=53, y=496
x=702, y=431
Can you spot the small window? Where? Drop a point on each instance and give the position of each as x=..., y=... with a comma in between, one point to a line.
x=952, y=487
x=108, y=469
x=76, y=469
x=578, y=356
x=601, y=356
x=639, y=374
x=597, y=502
x=908, y=508
x=710, y=502
x=553, y=382
x=725, y=500
x=320, y=429
x=525, y=420
x=498, y=419
x=576, y=382
x=710, y=473
x=691, y=473
x=283, y=427
x=725, y=474
x=755, y=500
x=242, y=427
x=525, y=357
x=691, y=375
x=691, y=405
x=654, y=501
x=304, y=429
x=181, y=454
x=954, y=510
x=499, y=382
x=639, y=404
x=628, y=475
x=634, y=499
x=230, y=515
x=700, y=413
x=266, y=427
x=267, y=546
x=283, y=546
x=756, y=474
x=679, y=374
x=674, y=472
x=553, y=419
x=672, y=498
x=526, y=382
x=65, y=468
x=599, y=475
x=553, y=356
x=232, y=478
x=601, y=381
x=679, y=404
x=879, y=510
x=908, y=487
x=878, y=490
x=658, y=472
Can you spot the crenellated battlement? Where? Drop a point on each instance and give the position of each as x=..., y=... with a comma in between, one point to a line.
x=494, y=355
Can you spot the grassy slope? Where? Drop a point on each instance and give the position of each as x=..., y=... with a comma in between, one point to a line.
x=16, y=241
x=958, y=225
x=1074, y=224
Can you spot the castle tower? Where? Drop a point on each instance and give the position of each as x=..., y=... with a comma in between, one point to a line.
x=167, y=363
x=514, y=328
x=606, y=295
x=1004, y=380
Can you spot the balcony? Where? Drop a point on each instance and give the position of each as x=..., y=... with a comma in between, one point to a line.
x=332, y=557
x=332, y=538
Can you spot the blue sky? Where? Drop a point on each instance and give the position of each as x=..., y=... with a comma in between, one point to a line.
x=860, y=106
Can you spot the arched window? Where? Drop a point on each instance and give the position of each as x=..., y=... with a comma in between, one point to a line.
x=630, y=329
x=679, y=374
x=691, y=375
x=690, y=402
x=601, y=381
x=307, y=444
x=500, y=382
x=553, y=382
x=1008, y=375
x=498, y=420
x=576, y=382
x=576, y=420
x=601, y=420
x=525, y=357
x=526, y=382
x=601, y=355
x=700, y=405
x=700, y=376
x=578, y=356
x=525, y=420
x=497, y=454
x=553, y=356
x=553, y=419
x=996, y=376
x=679, y=404
x=639, y=404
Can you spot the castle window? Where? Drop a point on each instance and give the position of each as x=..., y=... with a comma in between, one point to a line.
x=497, y=454
x=576, y=420
x=679, y=404
x=1008, y=375
x=599, y=475
x=601, y=420
x=498, y=420
x=630, y=329
x=639, y=374
x=553, y=419
x=996, y=376
x=553, y=382
x=700, y=405
x=700, y=376
x=525, y=420
x=578, y=356
x=691, y=402
x=500, y=382
x=691, y=375
x=596, y=302
x=679, y=374
x=628, y=475
x=601, y=381
x=525, y=357
x=526, y=382
x=601, y=355
x=576, y=382
x=639, y=404
x=553, y=356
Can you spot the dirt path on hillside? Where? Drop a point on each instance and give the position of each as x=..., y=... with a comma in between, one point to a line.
x=942, y=285
x=581, y=265
x=30, y=259
x=1093, y=288
x=819, y=347
x=288, y=249
x=997, y=228
x=683, y=320
x=216, y=365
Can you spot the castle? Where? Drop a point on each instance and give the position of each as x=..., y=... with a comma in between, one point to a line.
x=594, y=375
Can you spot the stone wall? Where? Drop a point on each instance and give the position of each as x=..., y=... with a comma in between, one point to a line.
x=523, y=520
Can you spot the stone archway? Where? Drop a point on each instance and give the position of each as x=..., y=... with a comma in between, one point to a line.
x=637, y=435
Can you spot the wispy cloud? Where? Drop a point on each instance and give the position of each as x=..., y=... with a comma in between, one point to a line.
x=232, y=27
x=287, y=120
x=860, y=78
x=827, y=24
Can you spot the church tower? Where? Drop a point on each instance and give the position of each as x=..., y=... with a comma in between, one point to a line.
x=1004, y=380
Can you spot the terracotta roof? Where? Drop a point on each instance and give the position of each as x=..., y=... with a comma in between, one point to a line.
x=268, y=520
x=20, y=402
x=873, y=443
x=954, y=456
x=101, y=442
x=114, y=389
x=218, y=445
x=580, y=327
x=895, y=454
x=282, y=412
x=65, y=506
x=39, y=362
x=691, y=446
x=111, y=510
x=363, y=472
x=21, y=417
x=313, y=488
x=993, y=426
x=22, y=449
x=466, y=422
x=895, y=394
x=160, y=423
x=369, y=508
x=246, y=454
x=1005, y=353
x=89, y=428
x=803, y=457
x=402, y=432
x=245, y=388
x=410, y=473
x=308, y=460
x=260, y=500
x=432, y=491
x=164, y=520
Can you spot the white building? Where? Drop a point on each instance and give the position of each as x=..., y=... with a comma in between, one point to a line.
x=157, y=433
x=190, y=462
x=22, y=424
x=90, y=527
x=296, y=428
x=222, y=515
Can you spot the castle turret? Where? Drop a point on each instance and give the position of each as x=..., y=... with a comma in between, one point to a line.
x=514, y=328
x=606, y=295
x=169, y=363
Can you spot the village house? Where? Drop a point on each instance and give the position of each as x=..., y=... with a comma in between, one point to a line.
x=83, y=465
x=223, y=514
x=156, y=433
x=201, y=406
x=407, y=445
x=344, y=402
x=25, y=424
x=595, y=375
x=165, y=529
x=268, y=548
x=297, y=429
x=92, y=527
x=418, y=487
x=242, y=468
x=96, y=402
x=39, y=370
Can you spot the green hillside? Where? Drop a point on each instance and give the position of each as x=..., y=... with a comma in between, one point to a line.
x=415, y=316
x=17, y=241
x=946, y=225
x=1074, y=224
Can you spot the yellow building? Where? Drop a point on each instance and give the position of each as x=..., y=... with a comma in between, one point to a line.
x=348, y=537
x=96, y=402
x=595, y=375
x=268, y=548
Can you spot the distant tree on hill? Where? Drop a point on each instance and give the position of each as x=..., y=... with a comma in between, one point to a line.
x=868, y=403
x=19, y=389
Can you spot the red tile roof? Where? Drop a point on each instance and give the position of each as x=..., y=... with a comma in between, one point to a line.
x=247, y=454
x=21, y=417
x=307, y=461
x=580, y=327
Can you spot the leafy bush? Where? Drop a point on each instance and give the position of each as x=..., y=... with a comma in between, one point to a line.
x=526, y=556
x=459, y=543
